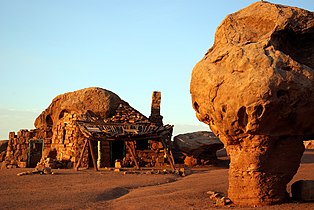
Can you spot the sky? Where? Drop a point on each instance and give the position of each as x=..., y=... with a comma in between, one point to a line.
x=131, y=47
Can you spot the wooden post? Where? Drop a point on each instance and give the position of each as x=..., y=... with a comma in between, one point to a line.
x=92, y=154
x=99, y=154
x=132, y=151
x=169, y=155
x=81, y=156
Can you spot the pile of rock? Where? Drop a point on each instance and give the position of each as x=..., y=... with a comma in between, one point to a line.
x=50, y=163
x=197, y=148
x=45, y=170
x=44, y=167
x=125, y=113
x=219, y=199
x=179, y=171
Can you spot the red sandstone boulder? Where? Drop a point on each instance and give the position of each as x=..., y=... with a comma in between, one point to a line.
x=197, y=147
x=255, y=89
x=86, y=102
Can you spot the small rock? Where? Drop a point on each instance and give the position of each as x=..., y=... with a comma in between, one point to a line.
x=47, y=170
x=218, y=198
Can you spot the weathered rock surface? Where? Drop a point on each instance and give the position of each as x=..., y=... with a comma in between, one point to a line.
x=197, y=147
x=85, y=102
x=254, y=88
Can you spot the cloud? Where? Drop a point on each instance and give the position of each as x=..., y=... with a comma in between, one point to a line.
x=187, y=128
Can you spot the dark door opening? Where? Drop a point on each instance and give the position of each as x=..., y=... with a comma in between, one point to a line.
x=117, y=151
x=35, y=151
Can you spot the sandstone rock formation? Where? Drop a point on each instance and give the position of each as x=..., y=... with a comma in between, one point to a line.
x=197, y=147
x=56, y=128
x=255, y=89
x=90, y=102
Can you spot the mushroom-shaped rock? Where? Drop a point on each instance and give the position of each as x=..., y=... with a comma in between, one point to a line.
x=255, y=89
x=85, y=102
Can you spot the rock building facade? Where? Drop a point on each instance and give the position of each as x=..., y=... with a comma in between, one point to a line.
x=63, y=129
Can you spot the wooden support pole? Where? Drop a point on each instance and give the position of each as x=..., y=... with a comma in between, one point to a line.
x=169, y=155
x=99, y=154
x=81, y=156
x=133, y=153
x=92, y=154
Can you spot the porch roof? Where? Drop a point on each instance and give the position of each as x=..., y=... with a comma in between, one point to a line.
x=123, y=131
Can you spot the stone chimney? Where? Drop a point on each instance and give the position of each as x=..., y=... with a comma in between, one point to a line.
x=155, y=109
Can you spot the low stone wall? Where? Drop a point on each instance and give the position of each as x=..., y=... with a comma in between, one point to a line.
x=18, y=146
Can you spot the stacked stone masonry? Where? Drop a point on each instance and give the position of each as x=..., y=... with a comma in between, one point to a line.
x=59, y=137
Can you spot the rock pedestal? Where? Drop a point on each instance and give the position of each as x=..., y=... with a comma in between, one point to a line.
x=255, y=89
x=260, y=169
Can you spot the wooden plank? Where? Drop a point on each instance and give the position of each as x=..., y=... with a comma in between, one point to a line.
x=92, y=154
x=169, y=155
x=133, y=153
x=81, y=156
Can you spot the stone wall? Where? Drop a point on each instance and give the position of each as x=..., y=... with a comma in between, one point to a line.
x=18, y=146
x=152, y=157
x=3, y=149
x=63, y=142
x=68, y=141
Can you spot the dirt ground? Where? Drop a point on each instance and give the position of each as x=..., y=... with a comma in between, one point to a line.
x=88, y=189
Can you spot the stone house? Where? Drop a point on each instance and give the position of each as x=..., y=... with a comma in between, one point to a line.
x=93, y=127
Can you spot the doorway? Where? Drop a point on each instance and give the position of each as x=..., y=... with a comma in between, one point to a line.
x=35, y=150
x=117, y=151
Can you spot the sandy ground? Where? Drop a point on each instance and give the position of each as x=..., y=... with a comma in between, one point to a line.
x=88, y=189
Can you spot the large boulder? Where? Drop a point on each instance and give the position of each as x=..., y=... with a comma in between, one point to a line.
x=197, y=147
x=255, y=89
x=89, y=101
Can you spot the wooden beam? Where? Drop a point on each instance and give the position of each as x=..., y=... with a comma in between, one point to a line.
x=169, y=155
x=133, y=153
x=92, y=154
x=99, y=154
x=81, y=156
